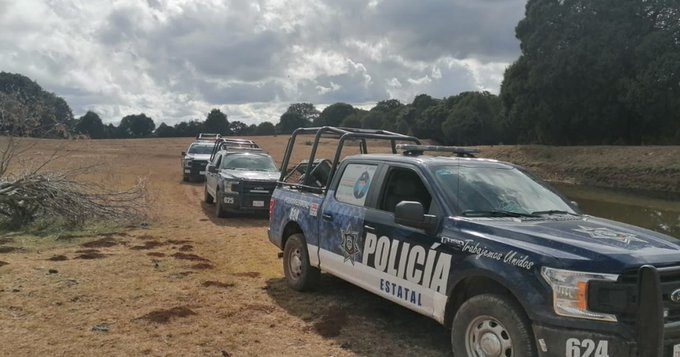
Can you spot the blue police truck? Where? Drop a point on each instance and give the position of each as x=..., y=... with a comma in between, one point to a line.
x=507, y=263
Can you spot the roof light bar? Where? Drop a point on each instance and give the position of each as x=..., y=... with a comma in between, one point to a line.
x=414, y=150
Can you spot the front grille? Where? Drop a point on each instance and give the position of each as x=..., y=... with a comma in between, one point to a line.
x=256, y=187
x=199, y=164
x=670, y=282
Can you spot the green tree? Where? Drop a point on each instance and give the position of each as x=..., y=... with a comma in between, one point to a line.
x=216, y=122
x=238, y=128
x=383, y=115
x=137, y=126
x=596, y=72
x=165, y=131
x=91, y=125
x=298, y=115
x=190, y=128
x=334, y=114
x=475, y=119
x=265, y=128
x=42, y=114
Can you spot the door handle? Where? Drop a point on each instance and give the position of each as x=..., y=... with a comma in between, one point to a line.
x=327, y=217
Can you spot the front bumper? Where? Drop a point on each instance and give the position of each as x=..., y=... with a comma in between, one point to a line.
x=194, y=168
x=555, y=341
x=235, y=202
x=649, y=321
x=194, y=172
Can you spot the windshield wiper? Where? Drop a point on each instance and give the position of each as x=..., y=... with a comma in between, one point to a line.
x=496, y=213
x=553, y=211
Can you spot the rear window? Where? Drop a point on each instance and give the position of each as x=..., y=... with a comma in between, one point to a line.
x=201, y=149
x=248, y=162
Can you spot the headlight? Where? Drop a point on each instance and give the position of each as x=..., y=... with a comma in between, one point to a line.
x=229, y=186
x=570, y=292
x=187, y=162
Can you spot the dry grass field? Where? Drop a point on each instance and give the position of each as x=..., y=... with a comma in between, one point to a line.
x=191, y=284
x=188, y=284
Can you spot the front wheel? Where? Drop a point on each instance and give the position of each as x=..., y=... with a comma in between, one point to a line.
x=206, y=196
x=300, y=275
x=220, y=212
x=491, y=326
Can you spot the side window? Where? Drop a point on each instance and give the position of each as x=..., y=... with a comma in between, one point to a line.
x=355, y=183
x=405, y=185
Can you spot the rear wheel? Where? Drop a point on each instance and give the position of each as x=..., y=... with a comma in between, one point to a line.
x=206, y=196
x=491, y=325
x=220, y=212
x=300, y=275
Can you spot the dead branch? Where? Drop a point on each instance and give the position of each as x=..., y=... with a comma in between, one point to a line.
x=61, y=196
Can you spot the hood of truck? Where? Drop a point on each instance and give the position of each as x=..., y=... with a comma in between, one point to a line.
x=589, y=240
x=251, y=175
x=203, y=157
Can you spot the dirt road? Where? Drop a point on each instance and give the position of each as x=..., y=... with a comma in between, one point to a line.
x=189, y=284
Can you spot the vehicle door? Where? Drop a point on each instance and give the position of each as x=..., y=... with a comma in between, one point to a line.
x=341, y=226
x=405, y=264
x=212, y=174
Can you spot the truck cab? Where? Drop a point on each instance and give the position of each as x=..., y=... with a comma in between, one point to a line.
x=507, y=263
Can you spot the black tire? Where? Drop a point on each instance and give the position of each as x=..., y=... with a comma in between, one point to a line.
x=306, y=277
x=206, y=196
x=220, y=212
x=494, y=318
x=186, y=178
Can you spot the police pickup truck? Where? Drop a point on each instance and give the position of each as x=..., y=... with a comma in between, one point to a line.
x=481, y=246
x=195, y=159
x=240, y=177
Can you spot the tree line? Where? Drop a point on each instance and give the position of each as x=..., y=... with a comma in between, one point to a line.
x=142, y=126
x=469, y=118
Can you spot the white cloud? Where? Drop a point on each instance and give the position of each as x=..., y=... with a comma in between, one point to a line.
x=176, y=59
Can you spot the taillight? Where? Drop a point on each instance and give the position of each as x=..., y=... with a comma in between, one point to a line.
x=272, y=204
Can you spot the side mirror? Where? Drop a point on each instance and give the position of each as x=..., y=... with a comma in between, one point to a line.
x=212, y=169
x=412, y=214
x=184, y=153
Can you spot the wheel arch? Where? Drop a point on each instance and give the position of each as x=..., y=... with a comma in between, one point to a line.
x=292, y=227
x=477, y=284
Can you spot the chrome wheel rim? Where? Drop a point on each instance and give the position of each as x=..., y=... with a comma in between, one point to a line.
x=487, y=337
x=295, y=263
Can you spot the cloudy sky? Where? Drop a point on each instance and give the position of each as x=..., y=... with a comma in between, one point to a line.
x=176, y=59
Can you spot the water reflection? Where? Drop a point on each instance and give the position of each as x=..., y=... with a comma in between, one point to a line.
x=656, y=214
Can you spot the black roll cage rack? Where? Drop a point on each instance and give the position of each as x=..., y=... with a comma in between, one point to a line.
x=224, y=143
x=343, y=135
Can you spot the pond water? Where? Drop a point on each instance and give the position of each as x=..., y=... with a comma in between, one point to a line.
x=658, y=214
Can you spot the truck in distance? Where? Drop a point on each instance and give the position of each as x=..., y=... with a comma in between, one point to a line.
x=508, y=264
x=195, y=159
x=239, y=178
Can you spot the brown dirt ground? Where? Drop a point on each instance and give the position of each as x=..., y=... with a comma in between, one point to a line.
x=126, y=290
x=130, y=303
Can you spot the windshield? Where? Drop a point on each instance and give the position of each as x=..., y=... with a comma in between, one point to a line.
x=201, y=149
x=498, y=191
x=248, y=162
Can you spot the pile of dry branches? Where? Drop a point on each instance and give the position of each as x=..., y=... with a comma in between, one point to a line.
x=60, y=195
x=29, y=191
